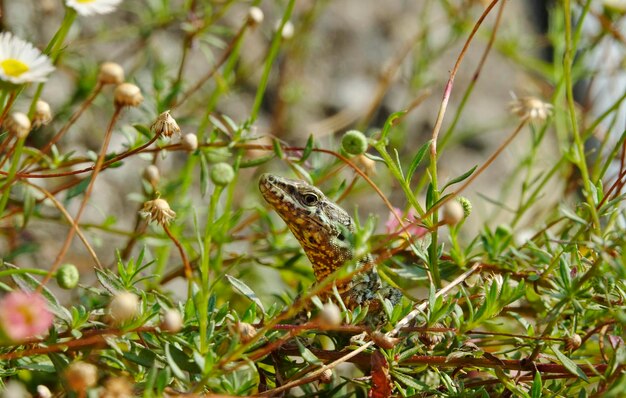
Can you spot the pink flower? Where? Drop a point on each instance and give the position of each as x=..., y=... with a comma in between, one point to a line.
x=393, y=226
x=24, y=315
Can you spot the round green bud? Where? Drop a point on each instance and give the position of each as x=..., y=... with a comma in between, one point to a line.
x=222, y=174
x=217, y=155
x=68, y=276
x=354, y=142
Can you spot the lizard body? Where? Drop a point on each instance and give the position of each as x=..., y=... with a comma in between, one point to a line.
x=323, y=230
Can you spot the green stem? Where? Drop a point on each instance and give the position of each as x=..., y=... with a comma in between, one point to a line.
x=273, y=53
x=6, y=189
x=54, y=51
x=17, y=271
x=579, y=146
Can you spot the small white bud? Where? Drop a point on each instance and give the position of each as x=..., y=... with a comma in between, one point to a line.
x=127, y=94
x=189, y=142
x=110, y=73
x=172, y=321
x=123, y=307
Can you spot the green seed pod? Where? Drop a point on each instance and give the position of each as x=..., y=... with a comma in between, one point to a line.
x=68, y=276
x=222, y=174
x=354, y=142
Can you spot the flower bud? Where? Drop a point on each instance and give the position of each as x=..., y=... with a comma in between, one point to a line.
x=18, y=124
x=452, y=212
x=467, y=205
x=123, y=307
x=152, y=175
x=127, y=94
x=80, y=376
x=330, y=315
x=354, y=142
x=189, y=142
x=68, y=276
x=43, y=391
x=288, y=30
x=110, y=73
x=43, y=114
x=222, y=174
x=172, y=321
x=255, y=16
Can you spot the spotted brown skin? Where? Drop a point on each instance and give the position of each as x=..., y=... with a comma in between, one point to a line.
x=323, y=230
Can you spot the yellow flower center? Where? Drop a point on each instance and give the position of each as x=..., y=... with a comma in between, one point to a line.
x=13, y=67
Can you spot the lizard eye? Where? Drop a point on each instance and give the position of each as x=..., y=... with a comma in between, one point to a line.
x=310, y=199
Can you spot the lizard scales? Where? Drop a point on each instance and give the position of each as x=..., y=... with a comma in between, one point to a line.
x=322, y=228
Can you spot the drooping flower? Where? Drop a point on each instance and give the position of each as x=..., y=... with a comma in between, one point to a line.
x=24, y=315
x=21, y=62
x=158, y=210
x=392, y=225
x=531, y=108
x=165, y=125
x=93, y=7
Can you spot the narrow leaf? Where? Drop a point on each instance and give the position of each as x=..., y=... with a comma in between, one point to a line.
x=569, y=364
x=459, y=178
x=417, y=159
x=245, y=290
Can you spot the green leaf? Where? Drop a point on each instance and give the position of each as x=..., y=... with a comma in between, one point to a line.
x=172, y=363
x=278, y=150
x=143, y=130
x=308, y=149
x=535, y=390
x=109, y=281
x=569, y=364
x=245, y=290
x=144, y=358
x=459, y=178
x=417, y=159
x=78, y=189
x=391, y=121
x=307, y=355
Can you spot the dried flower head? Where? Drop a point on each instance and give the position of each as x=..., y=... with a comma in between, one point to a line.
x=152, y=175
x=81, y=375
x=189, y=142
x=255, y=16
x=327, y=376
x=123, y=307
x=111, y=73
x=172, y=321
x=531, y=108
x=158, y=210
x=117, y=387
x=24, y=315
x=573, y=343
x=383, y=341
x=18, y=124
x=366, y=164
x=127, y=94
x=43, y=114
x=21, y=62
x=246, y=331
x=93, y=7
x=165, y=125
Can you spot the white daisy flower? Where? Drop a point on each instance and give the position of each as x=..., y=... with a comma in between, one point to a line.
x=93, y=7
x=21, y=62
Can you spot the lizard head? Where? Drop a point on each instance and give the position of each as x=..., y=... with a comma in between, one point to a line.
x=321, y=227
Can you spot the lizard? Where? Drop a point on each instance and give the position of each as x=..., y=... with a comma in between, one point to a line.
x=323, y=230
